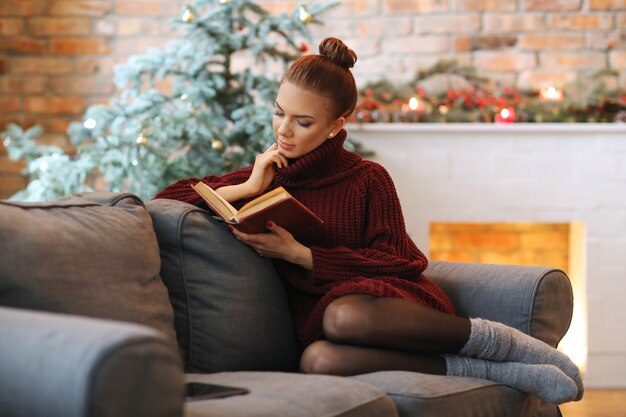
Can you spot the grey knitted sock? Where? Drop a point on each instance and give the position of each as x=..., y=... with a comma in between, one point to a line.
x=544, y=381
x=498, y=342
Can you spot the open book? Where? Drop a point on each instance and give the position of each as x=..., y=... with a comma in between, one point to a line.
x=277, y=205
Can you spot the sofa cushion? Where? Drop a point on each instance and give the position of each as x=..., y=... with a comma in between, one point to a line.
x=92, y=254
x=230, y=307
x=292, y=395
x=422, y=395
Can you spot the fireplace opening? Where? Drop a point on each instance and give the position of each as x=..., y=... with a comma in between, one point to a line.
x=558, y=245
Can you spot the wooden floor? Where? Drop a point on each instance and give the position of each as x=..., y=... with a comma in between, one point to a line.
x=597, y=403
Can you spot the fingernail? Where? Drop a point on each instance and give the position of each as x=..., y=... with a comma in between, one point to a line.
x=230, y=228
x=269, y=224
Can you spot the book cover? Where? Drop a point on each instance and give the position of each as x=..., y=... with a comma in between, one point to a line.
x=277, y=205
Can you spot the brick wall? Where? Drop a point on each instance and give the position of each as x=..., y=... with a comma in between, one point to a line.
x=57, y=56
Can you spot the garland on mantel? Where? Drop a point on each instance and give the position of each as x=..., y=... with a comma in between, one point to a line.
x=449, y=93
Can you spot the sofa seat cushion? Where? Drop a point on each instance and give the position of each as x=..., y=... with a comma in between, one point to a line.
x=423, y=395
x=291, y=395
x=90, y=254
x=230, y=306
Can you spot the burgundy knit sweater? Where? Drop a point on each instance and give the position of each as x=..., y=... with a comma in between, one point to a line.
x=362, y=247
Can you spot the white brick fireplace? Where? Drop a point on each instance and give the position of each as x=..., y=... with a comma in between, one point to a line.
x=544, y=173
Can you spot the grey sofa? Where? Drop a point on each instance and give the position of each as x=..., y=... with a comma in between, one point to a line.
x=108, y=304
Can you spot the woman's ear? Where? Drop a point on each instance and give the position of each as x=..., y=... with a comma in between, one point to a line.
x=336, y=126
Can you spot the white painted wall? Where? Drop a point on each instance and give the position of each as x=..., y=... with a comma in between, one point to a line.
x=524, y=173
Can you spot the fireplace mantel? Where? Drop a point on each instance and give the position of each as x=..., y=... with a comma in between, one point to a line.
x=491, y=128
x=540, y=173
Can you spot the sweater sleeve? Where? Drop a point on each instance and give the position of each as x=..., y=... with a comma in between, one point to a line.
x=181, y=190
x=387, y=250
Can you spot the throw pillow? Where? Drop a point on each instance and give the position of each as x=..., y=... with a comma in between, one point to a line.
x=91, y=254
x=230, y=306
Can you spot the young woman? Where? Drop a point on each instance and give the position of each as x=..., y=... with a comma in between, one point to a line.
x=358, y=297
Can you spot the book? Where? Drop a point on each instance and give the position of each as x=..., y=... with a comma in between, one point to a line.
x=276, y=205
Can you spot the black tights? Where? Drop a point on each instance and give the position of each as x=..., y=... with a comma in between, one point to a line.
x=368, y=334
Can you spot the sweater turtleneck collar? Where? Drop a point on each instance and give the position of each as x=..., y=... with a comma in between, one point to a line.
x=325, y=163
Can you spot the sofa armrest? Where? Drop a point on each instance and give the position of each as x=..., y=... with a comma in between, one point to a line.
x=69, y=366
x=536, y=300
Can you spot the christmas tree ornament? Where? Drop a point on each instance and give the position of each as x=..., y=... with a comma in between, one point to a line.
x=6, y=141
x=217, y=144
x=188, y=16
x=142, y=140
x=304, y=47
x=224, y=1
x=304, y=15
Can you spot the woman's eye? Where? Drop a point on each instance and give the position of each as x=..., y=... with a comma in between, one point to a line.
x=277, y=113
x=304, y=124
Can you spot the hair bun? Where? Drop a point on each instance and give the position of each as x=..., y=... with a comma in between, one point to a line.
x=337, y=51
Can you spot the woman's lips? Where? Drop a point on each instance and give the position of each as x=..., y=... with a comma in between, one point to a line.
x=285, y=146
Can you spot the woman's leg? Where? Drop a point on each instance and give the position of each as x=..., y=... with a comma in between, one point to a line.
x=545, y=381
x=398, y=324
x=324, y=357
x=394, y=323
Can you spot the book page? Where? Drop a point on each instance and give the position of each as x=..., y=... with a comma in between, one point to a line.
x=216, y=201
x=263, y=201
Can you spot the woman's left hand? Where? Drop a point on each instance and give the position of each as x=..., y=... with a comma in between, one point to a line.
x=277, y=243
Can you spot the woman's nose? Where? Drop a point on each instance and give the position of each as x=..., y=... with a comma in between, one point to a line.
x=284, y=128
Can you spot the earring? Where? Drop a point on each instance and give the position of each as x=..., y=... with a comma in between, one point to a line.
x=331, y=134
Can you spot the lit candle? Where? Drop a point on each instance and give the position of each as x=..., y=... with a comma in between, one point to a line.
x=550, y=94
x=506, y=115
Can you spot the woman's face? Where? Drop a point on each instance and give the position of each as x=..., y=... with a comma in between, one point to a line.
x=302, y=121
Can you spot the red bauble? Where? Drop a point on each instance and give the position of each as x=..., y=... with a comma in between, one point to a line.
x=304, y=47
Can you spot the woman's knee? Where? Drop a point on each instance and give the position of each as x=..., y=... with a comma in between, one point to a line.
x=321, y=357
x=348, y=320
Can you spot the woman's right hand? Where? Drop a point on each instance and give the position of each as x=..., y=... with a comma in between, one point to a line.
x=263, y=170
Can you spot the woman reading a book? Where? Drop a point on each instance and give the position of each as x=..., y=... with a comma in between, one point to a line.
x=359, y=300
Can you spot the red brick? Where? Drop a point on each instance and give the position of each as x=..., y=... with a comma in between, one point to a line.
x=82, y=85
x=23, y=7
x=98, y=64
x=607, y=4
x=618, y=59
x=131, y=46
x=42, y=65
x=505, y=61
x=23, y=46
x=76, y=46
x=453, y=256
x=3, y=65
x=24, y=84
x=552, y=41
x=421, y=6
x=582, y=21
x=349, y=8
x=584, y=60
x=54, y=105
x=11, y=26
x=552, y=4
x=59, y=26
x=536, y=79
x=9, y=166
x=390, y=26
x=492, y=42
x=486, y=6
x=10, y=184
x=462, y=44
x=92, y=8
x=137, y=26
x=415, y=44
x=145, y=8
x=514, y=22
x=10, y=104
x=465, y=23
x=605, y=41
x=621, y=21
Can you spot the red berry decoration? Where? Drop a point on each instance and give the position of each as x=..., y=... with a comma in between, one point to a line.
x=304, y=47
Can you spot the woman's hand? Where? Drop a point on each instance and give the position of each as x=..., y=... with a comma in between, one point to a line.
x=263, y=170
x=277, y=243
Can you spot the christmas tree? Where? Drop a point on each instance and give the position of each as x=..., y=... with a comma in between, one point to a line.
x=200, y=105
